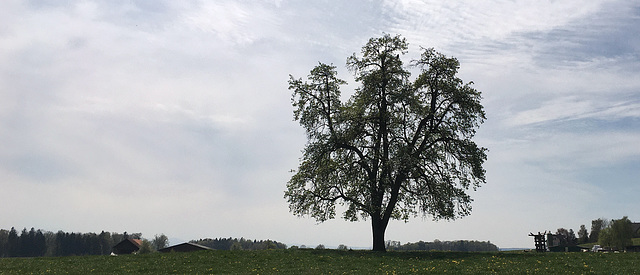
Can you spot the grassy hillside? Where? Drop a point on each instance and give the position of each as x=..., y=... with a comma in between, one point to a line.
x=330, y=261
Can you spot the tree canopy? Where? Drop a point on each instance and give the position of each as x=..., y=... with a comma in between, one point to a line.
x=398, y=148
x=460, y=245
x=617, y=234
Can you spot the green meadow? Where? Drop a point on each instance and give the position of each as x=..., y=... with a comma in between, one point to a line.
x=330, y=262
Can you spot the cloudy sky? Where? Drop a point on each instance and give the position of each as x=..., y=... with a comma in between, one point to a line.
x=174, y=117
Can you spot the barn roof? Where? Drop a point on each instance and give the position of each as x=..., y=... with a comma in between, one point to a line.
x=137, y=242
x=185, y=247
x=127, y=246
x=635, y=226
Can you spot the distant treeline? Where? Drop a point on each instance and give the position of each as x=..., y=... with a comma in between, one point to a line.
x=464, y=246
x=37, y=243
x=239, y=244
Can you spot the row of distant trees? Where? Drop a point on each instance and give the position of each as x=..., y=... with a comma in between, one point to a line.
x=461, y=245
x=617, y=234
x=38, y=243
x=239, y=244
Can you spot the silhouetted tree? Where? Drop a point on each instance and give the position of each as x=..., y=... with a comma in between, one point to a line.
x=106, y=243
x=397, y=149
x=4, y=242
x=583, y=235
x=392, y=245
x=117, y=237
x=237, y=244
x=13, y=243
x=39, y=244
x=596, y=226
x=159, y=242
x=25, y=243
x=461, y=245
x=567, y=237
x=51, y=244
x=145, y=247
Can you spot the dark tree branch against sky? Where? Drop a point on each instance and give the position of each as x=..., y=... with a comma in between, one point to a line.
x=397, y=148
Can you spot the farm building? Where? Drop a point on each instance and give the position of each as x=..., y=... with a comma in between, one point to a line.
x=635, y=227
x=185, y=247
x=559, y=243
x=127, y=246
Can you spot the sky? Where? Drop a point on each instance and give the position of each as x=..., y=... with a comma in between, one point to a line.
x=175, y=117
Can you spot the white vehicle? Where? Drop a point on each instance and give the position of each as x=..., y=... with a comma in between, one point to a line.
x=597, y=248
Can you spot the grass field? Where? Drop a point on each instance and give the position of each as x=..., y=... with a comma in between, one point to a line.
x=330, y=262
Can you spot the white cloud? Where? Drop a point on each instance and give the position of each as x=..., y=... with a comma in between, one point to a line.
x=562, y=108
x=160, y=108
x=576, y=108
x=231, y=21
x=445, y=24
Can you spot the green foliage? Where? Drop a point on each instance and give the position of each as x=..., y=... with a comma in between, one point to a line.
x=583, y=235
x=159, y=242
x=398, y=148
x=236, y=246
x=330, y=261
x=617, y=235
x=605, y=237
x=146, y=247
x=13, y=243
x=567, y=237
x=4, y=243
x=596, y=226
x=38, y=243
x=461, y=245
x=239, y=244
x=30, y=243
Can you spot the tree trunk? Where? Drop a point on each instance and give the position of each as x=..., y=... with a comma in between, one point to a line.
x=378, y=228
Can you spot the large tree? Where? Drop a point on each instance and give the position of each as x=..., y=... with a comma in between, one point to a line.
x=398, y=148
x=618, y=234
x=596, y=227
x=583, y=235
x=160, y=241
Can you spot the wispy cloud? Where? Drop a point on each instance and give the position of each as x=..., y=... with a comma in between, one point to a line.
x=187, y=103
x=449, y=23
x=576, y=108
x=239, y=23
